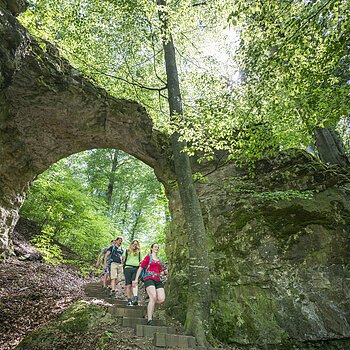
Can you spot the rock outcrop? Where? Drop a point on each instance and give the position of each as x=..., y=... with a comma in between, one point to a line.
x=279, y=256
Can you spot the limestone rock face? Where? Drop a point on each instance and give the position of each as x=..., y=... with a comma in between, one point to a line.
x=280, y=260
x=49, y=111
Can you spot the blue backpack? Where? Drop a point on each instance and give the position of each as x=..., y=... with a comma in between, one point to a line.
x=144, y=271
x=116, y=254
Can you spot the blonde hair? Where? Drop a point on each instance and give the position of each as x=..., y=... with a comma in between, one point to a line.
x=137, y=250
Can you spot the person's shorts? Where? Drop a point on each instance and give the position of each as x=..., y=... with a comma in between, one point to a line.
x=150, y=282
x=116, y=271
x=130, y=274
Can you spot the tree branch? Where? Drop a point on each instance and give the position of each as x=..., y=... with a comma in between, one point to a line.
x=93, y=68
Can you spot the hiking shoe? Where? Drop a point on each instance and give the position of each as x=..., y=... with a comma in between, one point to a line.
x=129, y=302
x=112, y=293
x=149, y=323
x=135, y=300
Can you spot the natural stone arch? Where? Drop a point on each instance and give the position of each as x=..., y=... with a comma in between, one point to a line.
x=50, y=111
x=283, y=266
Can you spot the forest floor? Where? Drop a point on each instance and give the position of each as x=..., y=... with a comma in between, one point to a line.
x=34, y=293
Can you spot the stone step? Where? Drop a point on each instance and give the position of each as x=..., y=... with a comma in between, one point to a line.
x=123, y=304
x=95, y=292
x=100, y=294
x=149, y=331
x=133, y=321
x=137, y=312
x=164, y=340
x=112, y=300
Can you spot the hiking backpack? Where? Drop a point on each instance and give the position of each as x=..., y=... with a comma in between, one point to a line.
x=116, y=254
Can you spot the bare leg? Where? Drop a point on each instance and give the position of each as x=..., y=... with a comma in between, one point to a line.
x=113, y=283
x=151, y=291
x=108, y=279
x=128, y=291
x=160, y=295
x=105, y=279
x=135, y=298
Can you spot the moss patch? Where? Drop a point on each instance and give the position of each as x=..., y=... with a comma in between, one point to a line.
x=82, y=319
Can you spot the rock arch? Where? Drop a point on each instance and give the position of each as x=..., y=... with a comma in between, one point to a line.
x=48, y=111
x=279, y=269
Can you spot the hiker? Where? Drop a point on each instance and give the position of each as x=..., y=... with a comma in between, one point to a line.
x=114, y=257
x=151, y=278
x=105, y=274
x=131, y=262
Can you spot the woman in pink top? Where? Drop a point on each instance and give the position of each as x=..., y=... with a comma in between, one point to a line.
x=153, y=284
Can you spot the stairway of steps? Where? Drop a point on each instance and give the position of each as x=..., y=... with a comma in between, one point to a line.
x=164, y=336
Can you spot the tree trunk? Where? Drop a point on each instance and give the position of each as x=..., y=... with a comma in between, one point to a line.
x=136, y=222
x=198, y=299
x=112, y=178
x=126, y=203
x=330, y=148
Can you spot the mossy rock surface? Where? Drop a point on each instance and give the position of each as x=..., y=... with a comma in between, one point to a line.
x=279, y=254
x=83, y=325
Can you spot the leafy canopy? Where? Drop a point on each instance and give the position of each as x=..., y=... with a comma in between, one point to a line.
x=68, y=202
x=255, y=76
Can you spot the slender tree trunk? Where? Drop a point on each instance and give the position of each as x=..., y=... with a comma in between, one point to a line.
x=126, y=203
x=111, y=180
x=136, y=222
x=197, y=317
x=330, y=148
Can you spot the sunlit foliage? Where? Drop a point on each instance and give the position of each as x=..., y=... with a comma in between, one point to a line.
x=68, y=202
